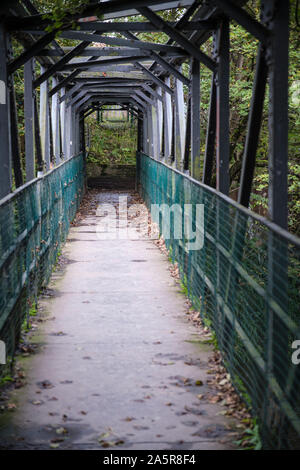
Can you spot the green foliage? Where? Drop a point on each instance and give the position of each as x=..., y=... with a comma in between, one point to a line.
x=243, y=51
x=6, y=379
x=57, y=12
x=112, y=143
x=251, y=439
x=259, y=198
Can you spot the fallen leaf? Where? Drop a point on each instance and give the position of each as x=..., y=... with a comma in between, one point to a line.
x=223, y=382
x=61, y=431
x=198, y=383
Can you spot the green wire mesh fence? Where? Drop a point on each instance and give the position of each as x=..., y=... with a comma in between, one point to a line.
x=245, y=282
x=34, y=220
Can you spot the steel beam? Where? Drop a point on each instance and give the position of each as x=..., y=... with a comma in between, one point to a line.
x=253, y=128
x=15, y=149
x=159, y=108
x=6, y=167
x=210, y=136
x=44, y=122
x=187, y=144
x=30, y=53
x=195, y=119
x=223, y=151
x=168, y=119
x=55, y=123
x=62, y=111
x=278, y=112
x=160, y=60
x=154, y=78
x=236, y=13
x=106, y=62
x=57, y=66
x=177, y=36
x=37, y=139
x=181, y=22
x=70, y=92
x=101, y=27
x=106, y=51
x=179, y=124
x=152, y=92
x=108, y=9
x=29, y=119
x=114, y=41
x=144, y=97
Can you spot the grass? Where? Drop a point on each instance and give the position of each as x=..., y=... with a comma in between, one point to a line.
x=112, y=143
x=251, y=439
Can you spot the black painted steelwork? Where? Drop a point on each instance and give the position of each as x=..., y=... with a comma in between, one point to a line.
x=186, y=36
x=152, y=91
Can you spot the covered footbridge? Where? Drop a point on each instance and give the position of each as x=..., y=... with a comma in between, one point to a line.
x=243, y=279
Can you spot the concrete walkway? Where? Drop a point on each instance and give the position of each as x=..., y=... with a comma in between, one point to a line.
x=118, y=361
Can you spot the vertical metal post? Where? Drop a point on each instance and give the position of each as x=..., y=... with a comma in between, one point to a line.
x=51, y=148
x=44, y=121
x=145, y=134
x=62, y=123
x=159, y=123
x=210, y=136
x=77, y=131
x=167, y=105
x=278, y=113
x=195, y=119
x=223, y=149
x=5, y=173
x=140, y=126
x=150, y=131
x=155, y=135
x=276, y=18
x=67, y=136
x=253, y=128
x=55, y=123
x=179, y=124
x=187, y=145
x=15, y=148
x=72, y=132
x=82, y=132
x=39, y=156
x=29, y=119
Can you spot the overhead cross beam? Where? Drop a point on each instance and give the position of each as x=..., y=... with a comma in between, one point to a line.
x=166, y=65
x=182, y=21
x=30, y=53
x=154, y=78
x=95, y=8
x=236, y=13
x=178, y=37
x=114, y=41
x=108, y=62
x=33, y=11
x=102, y=27
x=106, y=51
x=57, y=66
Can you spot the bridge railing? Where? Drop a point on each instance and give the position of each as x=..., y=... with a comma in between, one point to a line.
x=34, y=220
x=243, y=281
